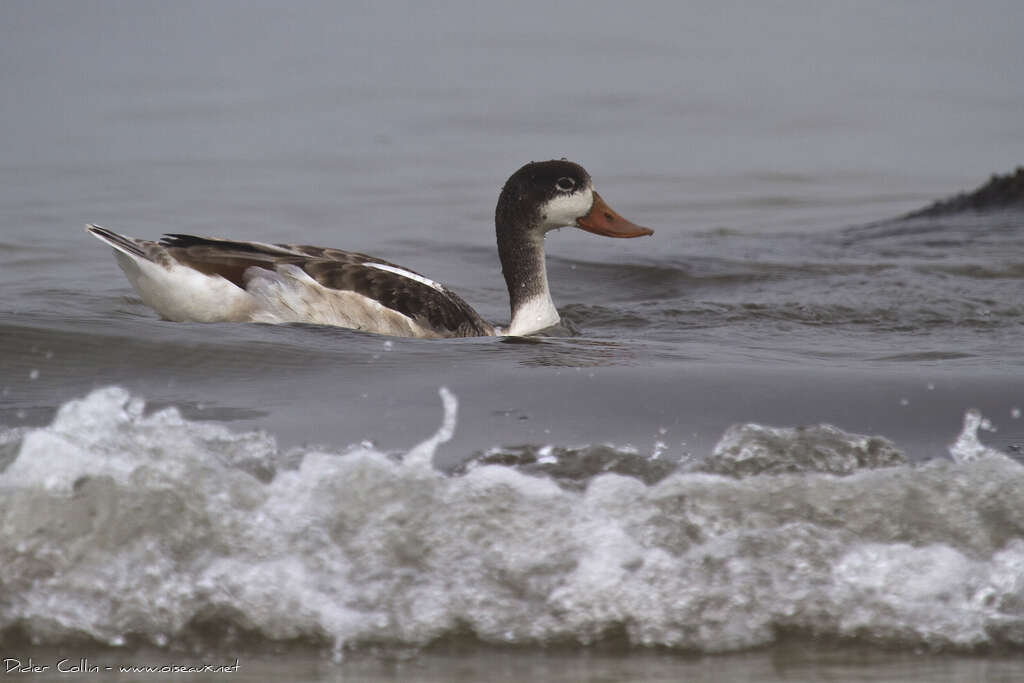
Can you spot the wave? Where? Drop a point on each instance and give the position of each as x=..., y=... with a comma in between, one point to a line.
x=124, y=526
x=1000, y=192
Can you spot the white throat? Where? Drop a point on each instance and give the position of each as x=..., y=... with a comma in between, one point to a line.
x=537, y=312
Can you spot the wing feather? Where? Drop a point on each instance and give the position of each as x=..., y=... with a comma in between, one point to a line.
x=434, y=307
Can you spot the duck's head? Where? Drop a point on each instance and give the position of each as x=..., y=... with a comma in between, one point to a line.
x=545, y=195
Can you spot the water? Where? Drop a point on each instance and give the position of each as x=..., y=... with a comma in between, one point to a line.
x=133, y=527
x=789, y=414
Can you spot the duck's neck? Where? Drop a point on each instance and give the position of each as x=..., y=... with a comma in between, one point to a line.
x=526, y=275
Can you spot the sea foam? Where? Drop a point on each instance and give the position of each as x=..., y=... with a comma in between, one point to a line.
x=122, y=526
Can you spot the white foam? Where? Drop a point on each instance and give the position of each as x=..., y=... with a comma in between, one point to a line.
x=968, y=446
x=119, y=523
x=422, y=455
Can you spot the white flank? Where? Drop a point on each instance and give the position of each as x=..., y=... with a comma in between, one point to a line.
x=407, y=274
x=564, y=209
x=182, y=294
x=290, y=295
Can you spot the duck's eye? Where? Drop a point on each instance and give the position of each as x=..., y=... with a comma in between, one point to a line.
x=566, y=184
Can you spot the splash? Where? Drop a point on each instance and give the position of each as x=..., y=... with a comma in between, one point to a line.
x=422, y=455
x=121, y=525
x=968, y=446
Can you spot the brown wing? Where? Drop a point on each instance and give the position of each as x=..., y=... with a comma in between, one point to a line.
x=230, y=259
x=440, y=310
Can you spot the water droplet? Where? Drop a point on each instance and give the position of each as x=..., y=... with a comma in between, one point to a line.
x=33, y=374
x=904, y=401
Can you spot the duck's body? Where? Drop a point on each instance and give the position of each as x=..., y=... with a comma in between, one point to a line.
x=186, y=278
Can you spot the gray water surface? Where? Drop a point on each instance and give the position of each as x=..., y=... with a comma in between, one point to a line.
x=772, y=148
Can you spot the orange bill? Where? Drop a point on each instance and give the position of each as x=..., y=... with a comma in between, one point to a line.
x=602, y=220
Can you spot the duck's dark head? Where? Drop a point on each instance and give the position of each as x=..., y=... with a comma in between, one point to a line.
x=544, y=195
x=539, y=197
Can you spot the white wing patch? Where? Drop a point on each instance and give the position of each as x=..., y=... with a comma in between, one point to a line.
x=406, y=274
x=281, y=249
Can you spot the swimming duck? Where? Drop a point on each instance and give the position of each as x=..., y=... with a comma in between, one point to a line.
x=202, y=279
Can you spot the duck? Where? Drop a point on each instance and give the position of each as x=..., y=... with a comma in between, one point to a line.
x=186, y=278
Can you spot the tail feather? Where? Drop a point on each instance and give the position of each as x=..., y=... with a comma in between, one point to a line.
x=128, y=245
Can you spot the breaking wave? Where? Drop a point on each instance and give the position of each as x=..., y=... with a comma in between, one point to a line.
x=124, y=526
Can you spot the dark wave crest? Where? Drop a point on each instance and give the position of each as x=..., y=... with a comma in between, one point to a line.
x=1000, y=192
